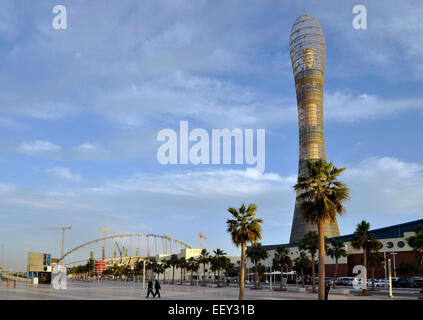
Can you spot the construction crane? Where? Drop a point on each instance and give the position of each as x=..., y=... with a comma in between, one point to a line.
x=63, y=238
x=103, y=254
x=201, y=239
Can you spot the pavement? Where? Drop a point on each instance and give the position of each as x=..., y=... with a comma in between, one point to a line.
x=120, y=290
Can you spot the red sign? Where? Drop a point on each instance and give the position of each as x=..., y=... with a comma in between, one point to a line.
x=100, y=266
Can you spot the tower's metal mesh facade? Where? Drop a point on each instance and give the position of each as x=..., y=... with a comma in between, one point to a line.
x=308, y=57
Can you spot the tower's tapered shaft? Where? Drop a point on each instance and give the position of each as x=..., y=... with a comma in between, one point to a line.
x=308, y=54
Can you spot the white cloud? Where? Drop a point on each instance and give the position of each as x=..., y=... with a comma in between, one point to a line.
x=386, y=186
x=62, y=174
x=39, y=147
x=345, y=107
x=210, y=183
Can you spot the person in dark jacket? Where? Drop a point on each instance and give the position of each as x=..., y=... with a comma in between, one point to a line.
x=150, y=289
x=327, y=288
x=157, y=287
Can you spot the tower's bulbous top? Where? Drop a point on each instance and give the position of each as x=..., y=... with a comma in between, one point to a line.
x=307, y=45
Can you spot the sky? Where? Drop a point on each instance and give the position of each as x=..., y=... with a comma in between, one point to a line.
x=81, y=109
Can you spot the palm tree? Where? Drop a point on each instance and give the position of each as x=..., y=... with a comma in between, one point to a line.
x=165, y=266
x=257, y=253
x=219, y=263
x=214, y=265
x=182, y=263
x=192, y=265
x=244, y=228
x=204, y=259
x=300, y=263
x=283, y=260
x=321, y=196
x=374, y=257
x=336, y=251
x=173, y=262
x=416, y=242
x=359, y=241
x=152, y=265
x=310, y=242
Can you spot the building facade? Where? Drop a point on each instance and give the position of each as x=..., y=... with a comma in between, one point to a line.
x=394, y=247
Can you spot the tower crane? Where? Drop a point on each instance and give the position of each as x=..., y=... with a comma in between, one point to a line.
x=63, y=238
x=202, y=236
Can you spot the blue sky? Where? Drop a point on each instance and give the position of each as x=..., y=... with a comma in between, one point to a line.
x=81, y=108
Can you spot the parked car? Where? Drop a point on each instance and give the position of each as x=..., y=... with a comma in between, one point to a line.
x=344, y=281
x=402, y=283
x=416, y=282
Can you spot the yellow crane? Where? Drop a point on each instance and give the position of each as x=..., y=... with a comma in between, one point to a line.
x=202, y=236
x=103, y=254
x=63, y=238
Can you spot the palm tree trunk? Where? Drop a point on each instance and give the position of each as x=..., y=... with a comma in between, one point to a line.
x=242, y=272
x=364, y=292
x=192, y=274
x=373, y=278
x=173, y=275
x=281, y=285
x=321, y=232
x=256, y=276
x=336, y=273
x=302, y=277
x=313, y=273
x=218, y=277
x=164, y=276
x=182, y=274
x=204, y=277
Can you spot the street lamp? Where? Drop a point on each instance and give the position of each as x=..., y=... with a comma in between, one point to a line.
x=395, y=271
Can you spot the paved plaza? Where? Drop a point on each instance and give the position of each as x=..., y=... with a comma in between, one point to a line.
x=111, y=290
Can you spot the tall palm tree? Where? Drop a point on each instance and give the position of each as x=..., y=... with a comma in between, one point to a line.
x=321, y=195
x=359, y=241
x=416, y=242
x=182, y=263
x=310, y=242
x=165, y=266
x=204, y=259
x=192, y=266
x=257, y=253
x=214, y=265
x=374, y=257
x=336, y=251
x=244, y=228
x=300, y=263
x=283, y=260
x=219, y=263
x=173, y=262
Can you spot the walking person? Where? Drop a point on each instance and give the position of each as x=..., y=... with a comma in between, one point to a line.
x=327, y=288
x=157, y=287
x=150, y=289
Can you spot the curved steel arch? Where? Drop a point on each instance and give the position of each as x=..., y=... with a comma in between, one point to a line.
x=127, y=235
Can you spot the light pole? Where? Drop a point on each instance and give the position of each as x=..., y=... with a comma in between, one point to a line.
x=390, y=278
x=143, y=274
x=384, y=265
x=395, y=271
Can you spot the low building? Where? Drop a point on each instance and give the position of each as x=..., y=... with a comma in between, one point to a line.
x=39, y=267
x=394, y=247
